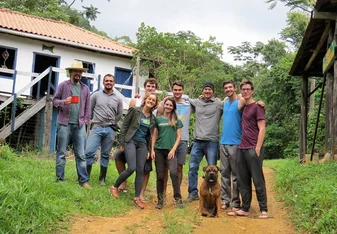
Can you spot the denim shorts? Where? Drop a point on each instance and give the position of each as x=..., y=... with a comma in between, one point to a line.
x=181, y=152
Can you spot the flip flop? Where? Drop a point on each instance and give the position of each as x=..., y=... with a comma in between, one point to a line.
x=224, y=207
x=263, y=215
x=241, y=213
x=123, y=190
x=233, y=212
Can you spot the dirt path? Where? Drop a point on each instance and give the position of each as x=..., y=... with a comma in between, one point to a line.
x=151, y=220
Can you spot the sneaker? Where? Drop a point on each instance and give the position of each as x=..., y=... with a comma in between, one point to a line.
x=191, y=199
x=86, y=186
x=179, y=203
x=114, y=192
x=139, y=203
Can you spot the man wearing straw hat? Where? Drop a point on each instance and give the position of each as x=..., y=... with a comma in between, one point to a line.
x=72, y=98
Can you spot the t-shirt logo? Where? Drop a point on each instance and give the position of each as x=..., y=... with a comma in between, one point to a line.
x=181, y=110
x=146, y=121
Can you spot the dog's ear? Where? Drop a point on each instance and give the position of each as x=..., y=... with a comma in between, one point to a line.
x=218, y=168
x=204, y=169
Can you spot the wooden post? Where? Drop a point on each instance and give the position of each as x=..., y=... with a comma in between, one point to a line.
x=334, y=105
x=312, y=97
x=304, y=118
x=48, y=111
x=329, y=102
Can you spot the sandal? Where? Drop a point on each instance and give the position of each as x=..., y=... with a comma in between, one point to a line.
x=139, y=203
x=122, y=190
x=233, y=212
x=114, y=192
x=263, y=215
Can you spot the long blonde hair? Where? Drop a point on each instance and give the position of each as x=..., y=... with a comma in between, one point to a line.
x=173, y=118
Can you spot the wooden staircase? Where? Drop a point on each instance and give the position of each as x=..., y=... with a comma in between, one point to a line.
x=22, y=118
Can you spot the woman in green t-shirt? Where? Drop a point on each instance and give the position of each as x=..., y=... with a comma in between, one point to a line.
x=165, y=140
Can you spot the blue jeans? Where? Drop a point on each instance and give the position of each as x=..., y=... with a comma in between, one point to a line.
x=77, y=135
x=103, y=136
x=199, y=149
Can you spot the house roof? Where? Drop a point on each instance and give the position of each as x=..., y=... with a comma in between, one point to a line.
x=315, y=35
x=61, y=31
x=308, y=46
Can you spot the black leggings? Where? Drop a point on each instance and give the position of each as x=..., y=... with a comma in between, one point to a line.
x=161, y=161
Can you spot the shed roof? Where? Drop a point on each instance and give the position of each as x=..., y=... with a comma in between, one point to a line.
x=63, y=32
x=309, y=58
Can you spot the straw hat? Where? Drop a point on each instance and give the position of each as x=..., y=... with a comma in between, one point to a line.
x=76, y=65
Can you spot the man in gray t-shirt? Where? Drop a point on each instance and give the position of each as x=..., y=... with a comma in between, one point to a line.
x=208, y=112
x=106, y=111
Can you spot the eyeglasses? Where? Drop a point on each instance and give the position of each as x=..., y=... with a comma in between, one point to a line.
x=245, y=90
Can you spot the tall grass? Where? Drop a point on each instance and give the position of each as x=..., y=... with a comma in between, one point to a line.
x=32, y=202
x=310, y=191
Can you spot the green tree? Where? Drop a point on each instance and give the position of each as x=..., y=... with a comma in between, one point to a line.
x=281, y=93
x=181, y=56
x=57, y=10
x=304, y=5
x=293, y=33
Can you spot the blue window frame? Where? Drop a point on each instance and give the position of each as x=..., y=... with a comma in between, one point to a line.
x=7, y=60
x=124, y=77
x=91, y=69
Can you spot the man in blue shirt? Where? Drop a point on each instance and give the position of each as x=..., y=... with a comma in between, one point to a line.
x=229, y=142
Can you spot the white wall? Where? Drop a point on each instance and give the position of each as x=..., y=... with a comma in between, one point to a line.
x=24, y=62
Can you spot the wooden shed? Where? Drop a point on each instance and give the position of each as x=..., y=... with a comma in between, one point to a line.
x=316, y=58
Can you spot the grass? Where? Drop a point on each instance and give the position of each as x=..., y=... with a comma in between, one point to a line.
x=32, y=202
x=310, y=192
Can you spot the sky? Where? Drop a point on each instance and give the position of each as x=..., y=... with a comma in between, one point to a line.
x=230, y=21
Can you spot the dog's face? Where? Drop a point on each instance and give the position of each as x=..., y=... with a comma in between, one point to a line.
x=211, y=174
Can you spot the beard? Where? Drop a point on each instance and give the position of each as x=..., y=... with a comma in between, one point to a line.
x=76, y=79
x=108, y=87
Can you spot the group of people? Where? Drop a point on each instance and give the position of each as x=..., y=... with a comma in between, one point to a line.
x=159, y=131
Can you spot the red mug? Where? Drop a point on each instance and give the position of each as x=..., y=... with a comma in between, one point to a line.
x=74, y=99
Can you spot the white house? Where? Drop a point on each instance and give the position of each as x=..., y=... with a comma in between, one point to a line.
x=29, y=45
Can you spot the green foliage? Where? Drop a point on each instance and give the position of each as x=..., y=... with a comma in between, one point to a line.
x=281, y=93
x=6, y=152
x=181, y=56
x=304, y=5
x=293, y=33
x=57, y=10
x=269, y=53
x=312, y=121
x=310, y=192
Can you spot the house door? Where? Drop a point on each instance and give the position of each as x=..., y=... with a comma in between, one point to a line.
x=41, y=63
x=124, y=77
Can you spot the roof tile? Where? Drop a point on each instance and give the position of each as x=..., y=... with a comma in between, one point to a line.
x=58, y=29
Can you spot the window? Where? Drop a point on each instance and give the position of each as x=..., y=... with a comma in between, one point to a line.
x=124, y=77
x=91, y=69
x=7, y=60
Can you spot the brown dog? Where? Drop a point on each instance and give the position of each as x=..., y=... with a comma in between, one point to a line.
x=210, y=200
